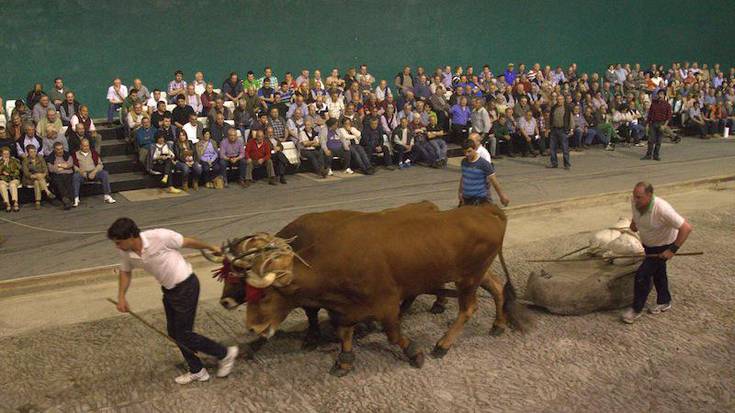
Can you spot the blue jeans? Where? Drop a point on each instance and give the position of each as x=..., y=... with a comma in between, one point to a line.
x=101, y=176
x=209, y=172
x=593, y=133
x=588, y=136
x=559, y=137
x=440, y=147
x=187, y=171
x=636, y=131
x=111, y=111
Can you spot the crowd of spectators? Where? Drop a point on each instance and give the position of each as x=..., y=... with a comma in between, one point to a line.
x=193, y=133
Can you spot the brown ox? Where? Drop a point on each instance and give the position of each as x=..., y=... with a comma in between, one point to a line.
x=301, y=233
x=373, y=261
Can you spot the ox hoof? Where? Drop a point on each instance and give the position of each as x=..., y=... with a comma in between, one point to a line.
x=340, y=370
x=497, y=331
x=417, y=361
x=439, y=352
x=437, y=308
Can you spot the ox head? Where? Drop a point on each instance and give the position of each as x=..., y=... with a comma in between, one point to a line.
x=238, y=257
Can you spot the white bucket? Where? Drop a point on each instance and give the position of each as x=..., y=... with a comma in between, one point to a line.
x=726, y=133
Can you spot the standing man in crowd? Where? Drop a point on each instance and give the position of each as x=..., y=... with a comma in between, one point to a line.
x=561, y=129
x=477, y=175
x=659, y=115
x=663, y=231
x=157, y=251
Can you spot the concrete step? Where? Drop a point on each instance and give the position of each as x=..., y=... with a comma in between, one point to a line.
x=120, y=164
x=114, y=147
x=108, y=133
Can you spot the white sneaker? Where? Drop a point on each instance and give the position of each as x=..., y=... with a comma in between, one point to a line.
x=640, y=144
x=173, y=190
x=329, y=172
x=349, y=171
x=109, y=199
x=629, y=316
x=225, y=365
x=659, y=308
x=76, y=202
x=188, y=377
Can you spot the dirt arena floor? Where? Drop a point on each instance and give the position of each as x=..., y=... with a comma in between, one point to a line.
x=680, y=361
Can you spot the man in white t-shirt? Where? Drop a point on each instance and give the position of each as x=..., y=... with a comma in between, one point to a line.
x=157, y=252
x=476, y=139
x=663, y=231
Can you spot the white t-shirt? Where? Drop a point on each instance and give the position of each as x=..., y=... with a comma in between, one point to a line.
x=160, y=257
x=484, y=154
x=659, y=225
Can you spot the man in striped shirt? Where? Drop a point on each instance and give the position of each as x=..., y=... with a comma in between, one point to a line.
x=477, y=175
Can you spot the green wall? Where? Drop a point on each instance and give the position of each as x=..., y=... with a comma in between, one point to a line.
x=90, y=42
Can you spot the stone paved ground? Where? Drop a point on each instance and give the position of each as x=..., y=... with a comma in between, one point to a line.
x=682, y=361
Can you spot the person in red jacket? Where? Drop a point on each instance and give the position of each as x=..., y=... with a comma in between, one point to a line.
x=258, y=155
x=659, y=116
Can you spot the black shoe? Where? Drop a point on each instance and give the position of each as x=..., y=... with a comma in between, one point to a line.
x=272, y=181
x=656, y=158
x=283, y=179
x=552, y=166
x=646, y=158
x=567, y=167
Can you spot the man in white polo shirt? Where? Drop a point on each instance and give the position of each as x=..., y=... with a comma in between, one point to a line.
x=157, y=252
x=663, y=231
x=476, y=139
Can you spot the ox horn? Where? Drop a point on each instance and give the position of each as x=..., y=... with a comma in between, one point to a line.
x=262, y=282
x=213, y=258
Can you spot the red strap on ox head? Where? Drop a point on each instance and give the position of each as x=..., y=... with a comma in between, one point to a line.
x=252, y=294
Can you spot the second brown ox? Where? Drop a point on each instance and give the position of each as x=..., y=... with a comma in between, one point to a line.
x=371, y=262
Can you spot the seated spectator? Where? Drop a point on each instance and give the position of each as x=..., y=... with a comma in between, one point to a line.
x=181, y=112
x=90, y=131
x=502, y=134
x=250, y=102
x=286, y=94
x=426, y=153
x=116, y=95
x=232, y=88
x=382, y=91
x=308, y=146
x=295, y=124
x=267, y=93
x=373, y=140
x=258, y=155
x=353, y=115
x=61, y=171
x=404, y=81
x=298, y=105
x=365, y=80
x=51, y=118
x=35, y=172
x=351, y=139
x=41, y=108
x=580, y=128
x=403, y=144
x=68, y=108
x=232, y=155
x=135, y=118
x=421, y=90
x=219, y=108
x=389, y=120
x=52, y=136
x=207, y=150
x=88, y=166
x=710, y=119
x=161, y=161
x=127, y=105
x=194, y=100
x=176, y=87
x=334, y=80
x=333, y=146
x=142, y=93
x=219, y=128
x=406, y=112
x=74, y=138
x=260, y=123
x=34, y=96
x=29, y=138
x=58, y=93
x=6, y=141
x=280, y=104
x=528, y=133
x=280, y=131
x=168, y=130
x=187, y=162
x=152, y=104
x=280, y=161
x=372, y=108
x=268, y=75
x=335, y=104
x=159, y=114
x=208, y=98
x=440, y=106
x=482, y=124
x=193, y=129
x=9, y=179
x=460, y=116
x=22, y=110
x=435, y=133
x=251, y=82
x=594, y=119
x=145, y=136
x=200, y=85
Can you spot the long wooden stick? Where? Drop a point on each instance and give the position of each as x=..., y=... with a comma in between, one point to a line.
x=682, y=254
x=149, y=325
x=573, y=252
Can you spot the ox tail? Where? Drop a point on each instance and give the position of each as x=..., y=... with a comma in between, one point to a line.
x=517, y=313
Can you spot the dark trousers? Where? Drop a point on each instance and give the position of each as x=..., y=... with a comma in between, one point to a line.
x=165, y=167
x=210, y=171
x=386, y=155
x=559, y=138
x=63, y=185
x=280, y=163
x=241, y=166
x=403, y=155
x=474, y=200
x=180, y=304
x=651, y=269
x=654, y=141
x=315, y=158
x=360, y=157
x=342, y=154
x=459, y=133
